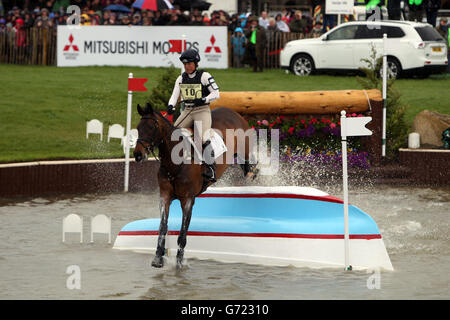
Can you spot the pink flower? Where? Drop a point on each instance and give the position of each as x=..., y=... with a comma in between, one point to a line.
x=265, y=122
x=258, y=123
x=360, y=115
x=332, y=125
x=353, y=114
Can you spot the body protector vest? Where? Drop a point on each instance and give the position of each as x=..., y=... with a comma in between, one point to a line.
x=192, y=88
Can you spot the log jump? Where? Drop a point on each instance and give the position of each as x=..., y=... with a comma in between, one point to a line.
x=289, y=102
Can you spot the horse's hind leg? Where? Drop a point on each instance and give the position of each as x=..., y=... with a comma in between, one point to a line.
x=164, y=205
x=187, y=205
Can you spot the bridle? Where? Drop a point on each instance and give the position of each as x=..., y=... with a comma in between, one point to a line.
x=149, y=148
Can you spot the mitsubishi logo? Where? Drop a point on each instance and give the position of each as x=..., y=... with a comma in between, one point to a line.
x=67, y=47
x=209, y=48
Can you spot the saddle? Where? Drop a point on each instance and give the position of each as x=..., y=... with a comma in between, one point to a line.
x=217, y=144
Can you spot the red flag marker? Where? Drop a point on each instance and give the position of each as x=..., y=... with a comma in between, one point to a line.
x=137, y=84
x=177, y=46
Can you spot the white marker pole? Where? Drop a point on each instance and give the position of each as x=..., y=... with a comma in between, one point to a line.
x=383, y=145
x=127, y=139
x=345, y=186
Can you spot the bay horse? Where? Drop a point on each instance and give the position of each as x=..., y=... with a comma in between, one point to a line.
x=182, y=181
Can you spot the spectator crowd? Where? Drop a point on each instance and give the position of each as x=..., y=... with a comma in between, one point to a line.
x=51, y=13
x=245, y=28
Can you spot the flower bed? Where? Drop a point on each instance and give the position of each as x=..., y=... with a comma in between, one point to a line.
x=316, y=141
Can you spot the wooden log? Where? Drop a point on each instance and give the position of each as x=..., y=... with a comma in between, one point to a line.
x=287, y=102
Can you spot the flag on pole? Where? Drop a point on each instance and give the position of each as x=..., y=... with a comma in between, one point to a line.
x=177, y=45
x=137, y=84
x=350, y=127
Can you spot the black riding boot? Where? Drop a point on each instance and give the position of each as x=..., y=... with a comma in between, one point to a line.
x=210, y=173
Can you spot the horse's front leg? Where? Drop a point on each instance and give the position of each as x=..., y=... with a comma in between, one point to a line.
x=164, y=205
x=187, y=205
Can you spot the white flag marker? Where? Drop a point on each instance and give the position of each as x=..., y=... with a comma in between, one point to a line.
x=350, y=127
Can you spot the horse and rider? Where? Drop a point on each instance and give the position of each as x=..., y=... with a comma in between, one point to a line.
x=197, y=89
x=185, y=181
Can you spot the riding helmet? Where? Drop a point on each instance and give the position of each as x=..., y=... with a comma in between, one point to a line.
x=190, y=55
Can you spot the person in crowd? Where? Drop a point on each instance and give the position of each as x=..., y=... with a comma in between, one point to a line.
x=60, y=4
x=233, y=23
x=256, y=44
x=272, y=25
x=96, y=5
x=416, y=10
x=112, y=21
x=298, y=24
x=146, y=21
x=317, y=30
x=242, y=21
x=21, y=35
x=136, y=20
x=443, y=30
x=281, y=25
x=85, y=20
x=431, y=8
x=28, y=20
x=394, y=9
x=44, y=20
x=2, y=25
x=238, y=41
x=173, y=20
x=125, y=20
x=263, y=20
x=159, y=19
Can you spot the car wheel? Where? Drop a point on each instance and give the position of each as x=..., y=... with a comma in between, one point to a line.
x=393, y=69
x=302, y=65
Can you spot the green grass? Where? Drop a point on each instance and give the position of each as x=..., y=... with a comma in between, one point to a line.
x=44, y=109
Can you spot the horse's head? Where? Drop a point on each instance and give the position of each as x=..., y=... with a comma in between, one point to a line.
x=149, y=133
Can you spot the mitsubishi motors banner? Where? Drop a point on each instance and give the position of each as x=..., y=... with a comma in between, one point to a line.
x=152, y=46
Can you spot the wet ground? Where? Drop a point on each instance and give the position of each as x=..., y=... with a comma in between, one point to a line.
x=34, y=263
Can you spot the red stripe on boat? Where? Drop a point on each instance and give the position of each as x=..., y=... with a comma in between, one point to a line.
x=271, y=195
x=256, y=235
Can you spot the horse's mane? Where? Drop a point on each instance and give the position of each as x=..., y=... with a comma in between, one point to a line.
x=149, y=110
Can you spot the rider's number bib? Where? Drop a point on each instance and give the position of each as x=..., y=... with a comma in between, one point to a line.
x=191, y=91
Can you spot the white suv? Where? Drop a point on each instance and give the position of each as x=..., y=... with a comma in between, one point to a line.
x=414, y=48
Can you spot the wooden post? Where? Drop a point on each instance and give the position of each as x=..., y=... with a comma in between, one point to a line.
x=44, y=47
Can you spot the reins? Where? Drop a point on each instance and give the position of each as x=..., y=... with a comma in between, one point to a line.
x=150, y=149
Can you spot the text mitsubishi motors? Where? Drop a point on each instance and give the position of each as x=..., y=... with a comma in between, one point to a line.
x=150, y=46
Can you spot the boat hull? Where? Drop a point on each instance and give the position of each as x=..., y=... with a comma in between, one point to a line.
x=279, y=227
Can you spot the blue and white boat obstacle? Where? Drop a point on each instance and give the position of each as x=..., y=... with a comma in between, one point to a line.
x=277, y=226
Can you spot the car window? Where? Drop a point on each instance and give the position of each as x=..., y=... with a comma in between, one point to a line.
x=344, y=33
x=368, y=32
x=392, y=32
x=428, y=33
